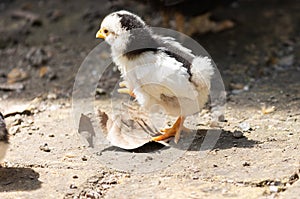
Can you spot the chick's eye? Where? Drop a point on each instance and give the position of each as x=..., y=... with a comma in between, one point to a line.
x=105, y=31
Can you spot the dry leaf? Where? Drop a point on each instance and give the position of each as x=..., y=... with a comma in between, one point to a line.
x=203, y=24
x=43, y=71
x=16, y=75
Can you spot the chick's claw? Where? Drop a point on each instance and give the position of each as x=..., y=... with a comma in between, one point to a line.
x=126, y=91
x=123, y=84
x=170, y=132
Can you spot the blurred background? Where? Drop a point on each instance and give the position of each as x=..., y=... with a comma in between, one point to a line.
x=43, y=43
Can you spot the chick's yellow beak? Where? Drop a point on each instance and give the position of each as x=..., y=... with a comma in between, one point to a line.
x=100, y=34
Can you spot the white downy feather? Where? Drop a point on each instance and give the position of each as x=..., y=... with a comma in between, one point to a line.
x=202, y=71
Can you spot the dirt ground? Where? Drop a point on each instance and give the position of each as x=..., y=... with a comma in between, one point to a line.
x=256, y=156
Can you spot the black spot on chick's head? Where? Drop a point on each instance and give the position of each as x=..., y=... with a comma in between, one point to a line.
x=130, y=22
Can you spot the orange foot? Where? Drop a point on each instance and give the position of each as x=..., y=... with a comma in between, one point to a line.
x=170, y=132
x=125, y=90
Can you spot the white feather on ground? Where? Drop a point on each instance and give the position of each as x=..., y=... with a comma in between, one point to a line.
x=129, y=130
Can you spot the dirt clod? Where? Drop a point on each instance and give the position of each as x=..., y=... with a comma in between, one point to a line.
x=45, y=148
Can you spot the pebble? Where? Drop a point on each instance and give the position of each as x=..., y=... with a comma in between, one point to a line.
x=34, y=128
x=244, y=126
x=11, y=87
x=100, y=91
x=246, y=164
x=17, y=122
x=73, y=186
x=287, y=61
x=55, y=15
x=273, y=189
x=37, y=56
x=51, y=96
x=14, y=130
x=75, y=177
x=84, y=158
x=93, y=179
x=93, y=194
x=148, y=158
x=45, y=148
x=238, y=134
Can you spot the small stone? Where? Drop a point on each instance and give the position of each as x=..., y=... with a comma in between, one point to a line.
x=34, y=128
x=14, y=130
x=238, y=134
x=55, y=15
x=84, y=158
x=287, y=61
x=273, y=189
x=93, y=179
x=11, y=87
x=246, y=164
x=75, y=177
x=54, y=38
x=37, y=56
x=51, y=96
x=148, y=158
x=51, y=135
x=73, y=186
x=244, y=126
x=100, y=91
x=93, y=194
x=29, y=121
x=45, y=148
x=17, y=121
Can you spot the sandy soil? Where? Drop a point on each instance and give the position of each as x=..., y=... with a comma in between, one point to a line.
x=259, y=60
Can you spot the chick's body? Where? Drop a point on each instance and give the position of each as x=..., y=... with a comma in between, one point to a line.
x=157, y=70
x=156, y=78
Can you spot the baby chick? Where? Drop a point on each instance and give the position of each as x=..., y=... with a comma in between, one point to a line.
x=157, y=70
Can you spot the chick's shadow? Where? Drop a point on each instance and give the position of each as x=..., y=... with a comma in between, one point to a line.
x=226, y=140
x=18, y=179
x=194, y=141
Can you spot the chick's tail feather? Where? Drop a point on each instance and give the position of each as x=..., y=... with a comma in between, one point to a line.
x=202, y=71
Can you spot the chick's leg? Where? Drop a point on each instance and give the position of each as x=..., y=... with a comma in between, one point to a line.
x=125, y=90
x=173, y=131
